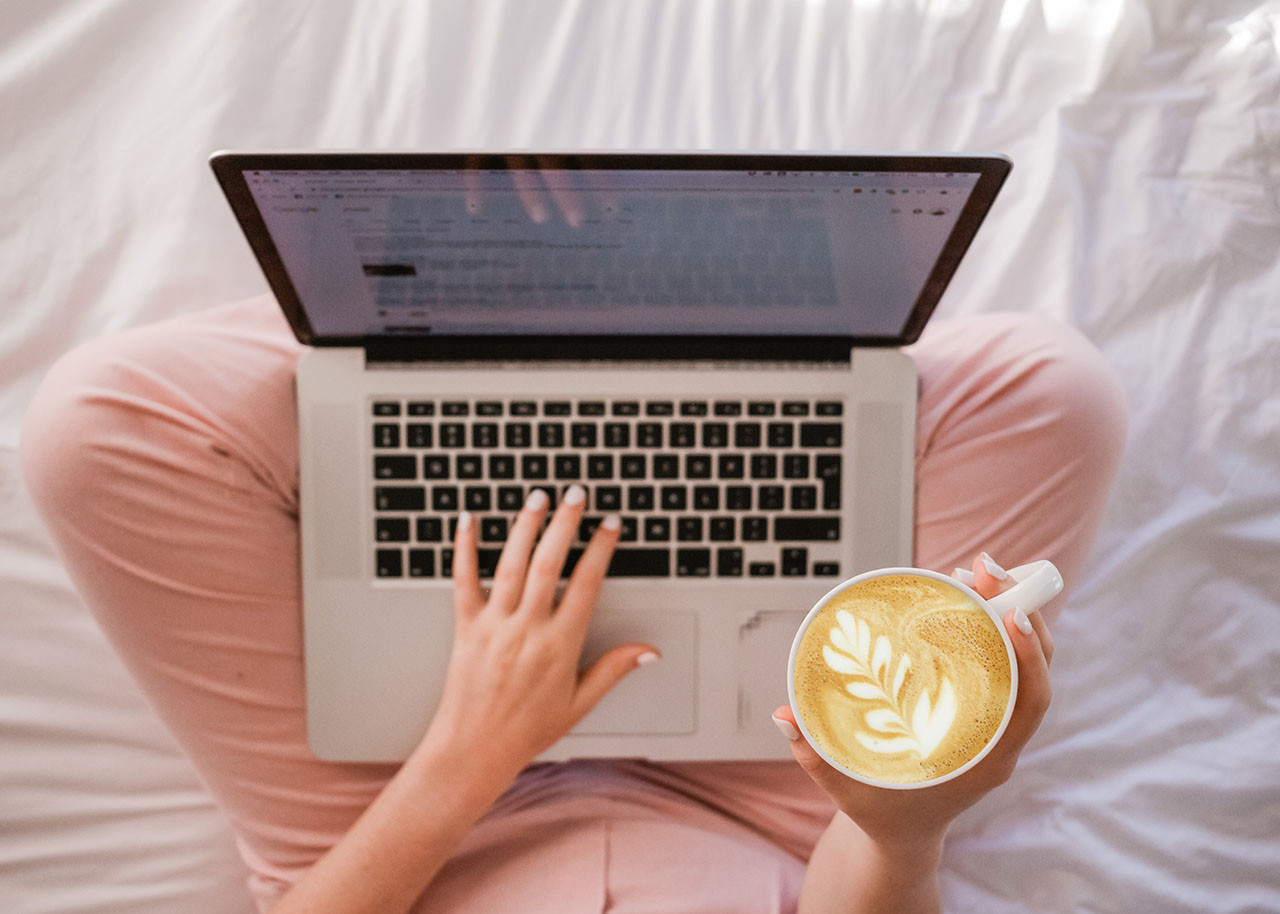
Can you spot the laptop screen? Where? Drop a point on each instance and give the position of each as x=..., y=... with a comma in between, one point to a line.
x=679, y=245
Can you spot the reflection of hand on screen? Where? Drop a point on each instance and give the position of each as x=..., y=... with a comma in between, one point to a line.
x=540, y=194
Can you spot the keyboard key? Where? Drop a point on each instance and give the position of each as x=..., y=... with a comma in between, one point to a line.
x=502, y=466
x=430, y=529
x=674, y=498
x=737, y=498
x=390, y=563
x=608, y=498
x=755, y=529
x=484, y=435
x=728, y=408
x=821, y=434
x=435, y=467
x=422, y=563
x=640, y=498
x=587, y=528
x=826, y=569
x=640, y=563
x=452, y=434
x=693, y=563
x=764, y=466
x=683, y=434
x=746, y=434
x=600, y=466
x=771, y=498
x=781, y=434
x=697, y=466
x=477, y=498
x=582, y=434
x=455, y=408
x=550, y=434
x=666, y=466
x=422, y=408
x=806, y=529
x=399, y=466
x=693, y=407
x=568, y=466
x=518, y=434
x=469, y=466
x=591, y=408
x=444, y=499
x=722, y=530
x=633, y=466
x=706, y=498
x=557, y=408
x=761, y=569
x=715, y=434
x=391, y=529
x=400, y=498
x=830, y=408
x=827, y=467
x=510, y=498
x=446, y=563
x=804, y=498
x=386, y=408
x=524, y=408
x=630, y=531
x=533, y=466
x=731, y=466
x=795, y=408
x=659, y=408
x=386, y=435
x=795, y=466
x=418, y=434
x=487, y=561
x=626, y=408
x=657, y=529
x=617, y=435
x=795, y=562
x=760, y=408
x=489, y=408
x=729, y=562
x=688, y=529
x=649, y=434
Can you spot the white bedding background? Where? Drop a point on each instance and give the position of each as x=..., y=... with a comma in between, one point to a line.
x=1144, y=208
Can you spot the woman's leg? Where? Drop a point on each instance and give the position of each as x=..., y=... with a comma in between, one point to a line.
x=1019, y=432
x=164, y=462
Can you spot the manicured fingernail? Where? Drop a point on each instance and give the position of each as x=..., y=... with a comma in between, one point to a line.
x=464, y=521
x=575, y=495
x=611, y=522
x=787, y=727
x=964, y=576
x=993, y=569
x=1020, y=619
x=647, y=658
x=537, y=499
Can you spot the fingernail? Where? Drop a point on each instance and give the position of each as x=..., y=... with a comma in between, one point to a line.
x=647, y=658
x=464, y=521
x=612, y=522
x=537, y=499
x=1020, y=619
x=575, y=495
x=993, y=569
x=964, y=576
x=787, y=727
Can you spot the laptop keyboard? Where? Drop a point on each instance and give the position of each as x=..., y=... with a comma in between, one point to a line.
x=715, y=488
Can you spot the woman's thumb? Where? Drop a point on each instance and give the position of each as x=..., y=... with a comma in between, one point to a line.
x=822, y=773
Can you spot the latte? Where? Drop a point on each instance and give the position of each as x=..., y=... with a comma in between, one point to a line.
x=902, y=678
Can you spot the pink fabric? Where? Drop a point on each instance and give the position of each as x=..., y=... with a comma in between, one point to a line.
x=164, y=460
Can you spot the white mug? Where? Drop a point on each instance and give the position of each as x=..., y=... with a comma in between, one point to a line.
x=1036, y=584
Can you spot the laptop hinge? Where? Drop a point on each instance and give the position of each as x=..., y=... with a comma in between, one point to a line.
x=579, y=350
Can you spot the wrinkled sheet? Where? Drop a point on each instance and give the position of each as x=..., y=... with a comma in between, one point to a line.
x=1143, y=208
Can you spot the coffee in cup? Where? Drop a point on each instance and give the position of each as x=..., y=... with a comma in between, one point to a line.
x=904, y=677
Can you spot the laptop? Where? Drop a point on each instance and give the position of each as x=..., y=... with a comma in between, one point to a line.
x=709, y=343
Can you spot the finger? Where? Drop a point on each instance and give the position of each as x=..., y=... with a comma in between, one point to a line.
x=989, y=578
x=579, y=597
x=468, y=599
x=829, y=779
x=607, y=672
x=548, y=559
x=513, y=563
x=1034, y=692
x=1046, y=637
x=528, y=188
x=567, y=199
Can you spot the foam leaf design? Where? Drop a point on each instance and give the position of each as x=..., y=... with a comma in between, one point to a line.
x=876, y=678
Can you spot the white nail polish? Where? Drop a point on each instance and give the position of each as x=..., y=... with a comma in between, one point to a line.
x=787, y=727
x=993, y=569
x=464, y=521
x=647, y=658
x=1020, y=619
x=611, y=522
x=537, y=499
x=575, y=495
x=964, y=576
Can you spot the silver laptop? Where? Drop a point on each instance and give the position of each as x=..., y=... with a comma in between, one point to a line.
x=709, y=343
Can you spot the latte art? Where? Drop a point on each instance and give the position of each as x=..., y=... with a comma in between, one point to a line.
x=902, y=678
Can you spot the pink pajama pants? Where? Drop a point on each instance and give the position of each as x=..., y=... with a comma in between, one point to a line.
x=164, y=461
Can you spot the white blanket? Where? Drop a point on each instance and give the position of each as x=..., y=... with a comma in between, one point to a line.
x=1144, y=208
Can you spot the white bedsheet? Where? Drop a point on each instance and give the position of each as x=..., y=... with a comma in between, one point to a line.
x=1144, y=208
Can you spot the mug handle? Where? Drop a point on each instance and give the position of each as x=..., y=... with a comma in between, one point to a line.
x=1037, y=584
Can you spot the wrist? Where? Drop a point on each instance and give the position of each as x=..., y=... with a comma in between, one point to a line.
x=919, y=849
x=464, y=780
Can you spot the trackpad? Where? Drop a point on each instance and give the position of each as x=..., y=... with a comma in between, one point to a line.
x=658, y=698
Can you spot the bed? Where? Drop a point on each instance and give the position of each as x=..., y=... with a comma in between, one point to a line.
x=1144, y=208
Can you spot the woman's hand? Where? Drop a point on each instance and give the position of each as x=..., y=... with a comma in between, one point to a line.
x=906, y=818
x=513, y=687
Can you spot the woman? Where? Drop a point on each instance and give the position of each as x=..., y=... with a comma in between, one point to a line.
x=164, y=461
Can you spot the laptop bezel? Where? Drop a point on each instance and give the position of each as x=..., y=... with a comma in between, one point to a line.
x=229, y=168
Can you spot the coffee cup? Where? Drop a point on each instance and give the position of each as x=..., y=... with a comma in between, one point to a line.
x=905, y=678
